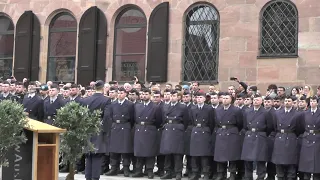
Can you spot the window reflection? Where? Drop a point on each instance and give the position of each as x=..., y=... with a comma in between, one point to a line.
x=6, y=46
x=130, y=45
x=62, y=48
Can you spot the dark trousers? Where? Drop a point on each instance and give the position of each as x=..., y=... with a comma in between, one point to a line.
x=148, y=161
x=286, y=171
x=213, y=166
x=115, y=159
x=223, y=166
x=133, y=160
x=271, y=169
x=160, y=162
x=173, y=161
x=93, y=165
x=105, y=163
x=81, y=163
x=261, y=169
x=240, y=167
x=307, y=176
x=204, y=161
x=188, y=165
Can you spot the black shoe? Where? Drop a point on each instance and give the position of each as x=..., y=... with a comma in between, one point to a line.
x=88, y=179
x=271, y=178
x=186, y=174
x=137, y=174
x=178, y=176
x=233, y=176
x=167, y=175
x=194, y=176
x=112, y=172
x=95, y=178
x=121, y=171
x=126, y=172
x=206, y=176
x=150, y=175
x=159, y=173
x=220, y=176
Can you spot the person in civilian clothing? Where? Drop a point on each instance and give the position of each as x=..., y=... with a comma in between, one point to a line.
x=309, y=162
x=258, y=124
x=229, y=120
x=52, y=104
x=172, y=140
x=202, y=117
x=148, y=118
x=97, y=101
x=288, y=125
x=186, y=98
x=121, y=114
x=33, y=104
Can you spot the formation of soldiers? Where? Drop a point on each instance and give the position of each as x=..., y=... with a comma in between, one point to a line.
x=236, y=131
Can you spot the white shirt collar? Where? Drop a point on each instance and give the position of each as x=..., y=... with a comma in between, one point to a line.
x=73, y=98
x=287, y=110
x=121, y=102
x=314, y=111
x=200, y=105
x=167, y=102
x=53, y=99
x=146, y=103
x=215, y=106
x=173, y=104
x=226, y=108
x=256, y=109
x=188, y=104
x=31, y=95
x=5, y=94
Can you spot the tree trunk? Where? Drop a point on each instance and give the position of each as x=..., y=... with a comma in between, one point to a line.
x=70, y=176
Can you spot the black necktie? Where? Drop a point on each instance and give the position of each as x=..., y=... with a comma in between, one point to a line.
x=30, y=97
x=51, y=101
x=312, y=112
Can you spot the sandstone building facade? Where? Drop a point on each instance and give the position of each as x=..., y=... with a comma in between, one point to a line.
x=209, y=41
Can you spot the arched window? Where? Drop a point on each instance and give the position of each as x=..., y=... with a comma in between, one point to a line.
x=279, y=29
x=130, y=45
x=62, y=48
x=201, y=46
x=6, y=46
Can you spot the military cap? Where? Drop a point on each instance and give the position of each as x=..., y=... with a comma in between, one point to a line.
x=99, y=84
x=44, y=87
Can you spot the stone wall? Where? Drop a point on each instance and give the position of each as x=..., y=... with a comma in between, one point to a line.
x=239, y=37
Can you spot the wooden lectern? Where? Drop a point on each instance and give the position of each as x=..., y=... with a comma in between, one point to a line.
x=38, y=158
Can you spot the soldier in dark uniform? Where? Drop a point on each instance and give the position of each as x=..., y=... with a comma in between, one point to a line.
x=288, y=125
x=172, y=140
x=73, y=94
x=148, y=118
x=240, y=98
x=121, y=114
x=133, y=96
x=277, y=103
x=186, y=98
x=33, y=104
x=160, y=157
x=201, y=148
x=6, y=95
x=44, y=91
x=258, y=125
x=20, y=91
x=309, y=162
x=94, y=159
x=229, y=120
x=271, y=167
x=52, y=104
x=303, y=104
